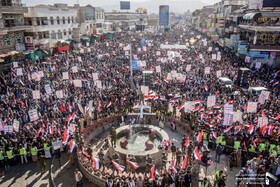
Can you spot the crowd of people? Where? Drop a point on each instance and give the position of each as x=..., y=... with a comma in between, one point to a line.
x=42, y=99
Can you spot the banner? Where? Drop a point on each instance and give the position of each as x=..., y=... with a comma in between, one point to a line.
x=16, y=125
x=207, y=71
x=65, y=75
x=41, y=74
x=214, y=56
x=57, y=144
x=252, y=107
x=266, y=94
x=48, y=89
x=188, y=67
x=211, y=101
x=261, y=99
x=228, y=109
x=8, y=129
x=15, y=64
x=99, y=84
x=77, y=83
x=228, y=119
x=36, y=94
x=81, y=108
x=33, y=115
x=59, y=94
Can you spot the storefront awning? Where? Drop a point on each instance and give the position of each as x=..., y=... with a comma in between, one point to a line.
x=250, y=16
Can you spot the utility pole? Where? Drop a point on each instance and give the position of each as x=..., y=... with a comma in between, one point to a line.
x=130, y=59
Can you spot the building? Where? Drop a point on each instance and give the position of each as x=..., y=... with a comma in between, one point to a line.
x=126, y=20
x=12, y=26
x=153, y=19
x=85, y=19
x=50, y=24
x=100, y=26
x=199, y=18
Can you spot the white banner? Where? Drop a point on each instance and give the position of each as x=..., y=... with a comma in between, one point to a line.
x=59, y=94
x=33, y=115
x=75, y=69
x=36, y=94
x=19, y=72
x=48, y=89
x=228, y=109
x=188, y=67
x=219, y=73
x=16, y=125
x=211, y=101
x=77, y=83
x=65, y=75
x=252, y=107
x=207, y=71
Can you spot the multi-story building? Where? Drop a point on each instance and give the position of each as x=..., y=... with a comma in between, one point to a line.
x=50, y=24
x=12, y=26
x=153, y=19
x=100, y=25
x=126, y=20
x=85, y=19
x=199, y=18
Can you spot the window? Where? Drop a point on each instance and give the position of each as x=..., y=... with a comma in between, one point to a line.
x=69, y=20
x=63, y=20
x=53, y=35
x=8, y=40
x=57, y=20
x=65, y=33
x=38, y=22
x=70, y=32
x=51, y=18
x=18, y=38
x=59, y=34
x=72, y=19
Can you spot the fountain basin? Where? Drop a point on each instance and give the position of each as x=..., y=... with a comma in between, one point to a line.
x=138, y=139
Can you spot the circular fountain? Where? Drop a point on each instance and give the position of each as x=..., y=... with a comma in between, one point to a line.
x=139, y=141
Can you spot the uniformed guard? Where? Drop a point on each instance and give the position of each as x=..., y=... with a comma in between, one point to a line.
x=149, y=162
x=164, y=161
x=113, y=136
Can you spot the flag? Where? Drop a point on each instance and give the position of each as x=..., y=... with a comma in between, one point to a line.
x=21, y=103
x=51, y=130
x=237, y=129
x=172, y=166
x=165, y=80
x=196, y=154
x=185, y=161
x=181, y=106
x=218, y=117
x=134, y=164
x=99, y=107
x=96, y=162
x=91, y=67
x=210, y=125
x=199, y=137
x=109, y=104
x=156, y=97
x=84, y=152
x=234, y=77
x=263, y=130
x=47, y=53
x=215, y=135
x=196, y=109
x=206, y=87
x=65, y=136
x=245, y=147
x=251, y=129
x=69, y=108
x=39, y=131
x=119, y=167
x=253, y=143
x=202, y=116
x=263, y=114
x=146, y=98
x=275, y=83
x=150, y=92
x=270, y=130
x=278, y=117
x=217, y=92
x=202, y=109
x=115, y=81
x=124, y=98
x=228, y=129
x=210, y=112
x=72, y=145
x=229, y=102
x=187, y=142
x=217, y=106
x=173, y=125
x=153, y=171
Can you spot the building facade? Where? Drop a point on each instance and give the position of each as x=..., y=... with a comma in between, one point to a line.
x=12, y=26
x=50, y=24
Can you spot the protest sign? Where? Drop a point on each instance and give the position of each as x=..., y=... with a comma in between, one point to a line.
x=258, y=65
x=211, y=101
x=158, y=70
x=19, y=72
x=219, y=73
x=262, y=121
x=33, y=115
x=75, y=69
x=266, y=94
x=48, y=89
x=41, y=74
x=158, y=53
x=189, y=106
x=77, y=83
x=214, y=56
x=207, y=70
x=16, y=125
x=36, y=94
x=228, y=119
x=15, y=64
x=252, y=107
x=95, y=76
x=65, y=75
x=169, y=76
x=210, y=49
x=261, y=99
x=8, y=129
x=59, y=94
x=228, y=109
x=188, y=67
x=57, y=144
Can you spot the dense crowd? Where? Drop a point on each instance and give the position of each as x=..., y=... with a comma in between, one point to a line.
x=99, y=85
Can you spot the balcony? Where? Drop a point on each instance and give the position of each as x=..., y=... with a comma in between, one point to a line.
x=15, y=9
x=13, y=28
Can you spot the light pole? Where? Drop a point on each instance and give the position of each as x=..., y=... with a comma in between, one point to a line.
x=130, y=59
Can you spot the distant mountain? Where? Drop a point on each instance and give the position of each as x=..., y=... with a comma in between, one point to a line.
x=177, y=6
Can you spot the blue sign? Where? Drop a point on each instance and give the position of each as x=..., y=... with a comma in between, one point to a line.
x=242, y=48
x=134, y=65
x=259, y=54
x=164, y=15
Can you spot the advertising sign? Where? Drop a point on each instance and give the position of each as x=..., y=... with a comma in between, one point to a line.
x=164, y=15
x=125, y=5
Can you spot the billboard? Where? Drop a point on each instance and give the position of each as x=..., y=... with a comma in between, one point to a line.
x=271, y=3
x=125, y=5
x=255, y=4
x=164, y=15
x=29, y=43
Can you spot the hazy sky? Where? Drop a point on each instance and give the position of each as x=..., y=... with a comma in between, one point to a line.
x=114, y=4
